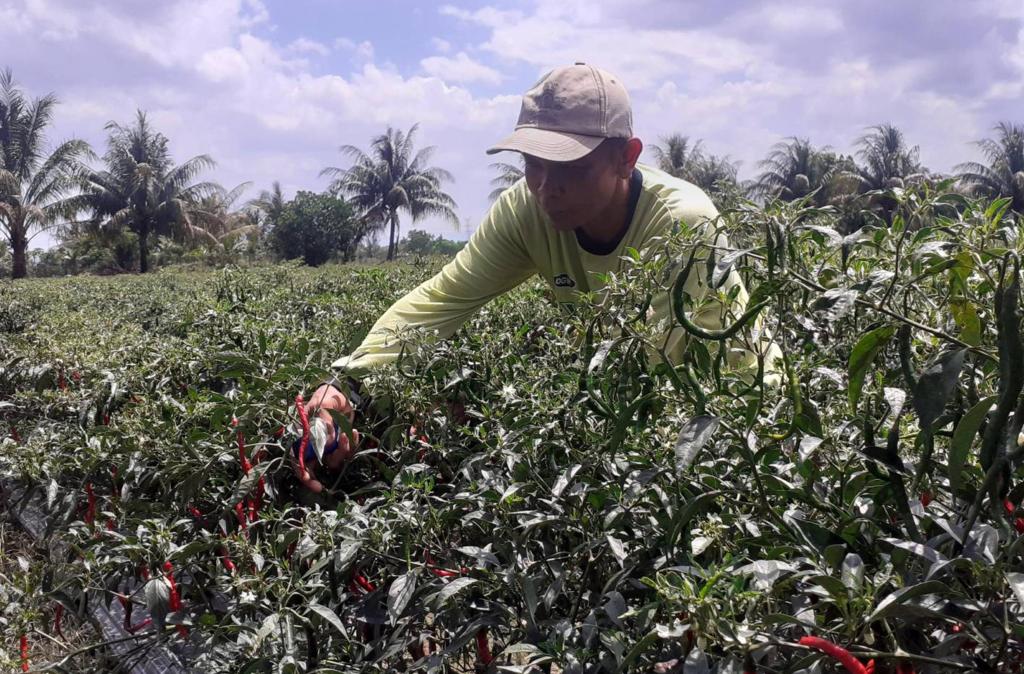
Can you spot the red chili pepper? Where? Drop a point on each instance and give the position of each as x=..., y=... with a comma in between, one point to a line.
x=1009, y=507
x=174, y=599
x=926, y=498
x=225, y=559
x=144, y=571
x=279, y=432
x=106, y=418
x=24, y=653
x=15, y=436
x=127, y=607
x=110, y=524
x=242, y=457
x=440, y=573
x=140, y=625
x=362, y=582
x=304, y=418
x=840, y=654
x=905, y=668
x=76, y=375
x=1018, y=524
x=90, y=509
x=260, y=491
x=240, y=515
x=194, y=512
x=58, y=618
x=483, y=648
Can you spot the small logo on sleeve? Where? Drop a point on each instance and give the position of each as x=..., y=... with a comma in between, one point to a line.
x=564, y=281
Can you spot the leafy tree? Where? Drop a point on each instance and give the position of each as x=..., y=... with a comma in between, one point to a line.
x=315, y=227
x=420, y=242
x=36, y=189
x=447, y=247
x=508, y=175
x=1004, y=174
x=795, y=169
x=393, y=177
x=141, y=189
x=5, y=259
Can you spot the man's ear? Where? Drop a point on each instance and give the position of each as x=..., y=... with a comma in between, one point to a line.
x=630, y=155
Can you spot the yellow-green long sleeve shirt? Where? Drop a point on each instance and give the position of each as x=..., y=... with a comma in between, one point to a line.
x=516, y=240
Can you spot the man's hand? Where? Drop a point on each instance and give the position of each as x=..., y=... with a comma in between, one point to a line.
x=326, y=398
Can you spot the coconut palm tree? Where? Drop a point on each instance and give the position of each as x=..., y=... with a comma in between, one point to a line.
x=795, y=169
x=1004, y=174
x=218, y=223
x=713, y=173
x=141, y=189
x=678, y=156
x=508, y=175
x=392, y=178
x=886, y=160
x=269, y=206
x=36, y=189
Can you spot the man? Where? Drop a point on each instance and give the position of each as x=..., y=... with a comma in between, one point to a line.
x=583, y=201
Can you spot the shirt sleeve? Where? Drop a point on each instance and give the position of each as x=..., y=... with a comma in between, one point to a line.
x=494, y=261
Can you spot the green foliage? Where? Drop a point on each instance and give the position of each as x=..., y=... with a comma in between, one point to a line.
x=35, y=187
x=420, y=242
x=315, y=227
x=392, y=178
x=1003, y=176
x=680, y=157
x=141, y=190
x=796, y=170
x=586, y=503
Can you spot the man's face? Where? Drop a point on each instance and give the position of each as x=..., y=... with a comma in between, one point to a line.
x=577, y=192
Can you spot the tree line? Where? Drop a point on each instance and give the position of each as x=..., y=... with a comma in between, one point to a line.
x=118, y=210
x=133, y=206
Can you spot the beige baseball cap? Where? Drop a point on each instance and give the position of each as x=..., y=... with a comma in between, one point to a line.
x=568, y=113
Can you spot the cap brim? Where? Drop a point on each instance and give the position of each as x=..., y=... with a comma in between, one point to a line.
x=550, y=145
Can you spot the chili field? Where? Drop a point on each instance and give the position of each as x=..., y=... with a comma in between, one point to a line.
x=568, y=501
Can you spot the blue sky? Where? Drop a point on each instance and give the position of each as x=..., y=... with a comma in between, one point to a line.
x=271, y=88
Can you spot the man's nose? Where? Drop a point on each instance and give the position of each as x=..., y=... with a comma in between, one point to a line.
x=551, y=182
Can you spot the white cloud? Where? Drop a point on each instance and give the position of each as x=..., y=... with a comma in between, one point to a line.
x=461, y=68
x=796, y=18
x=217, y=78
x=553, y=36
x=305, y=45
x=361, y=51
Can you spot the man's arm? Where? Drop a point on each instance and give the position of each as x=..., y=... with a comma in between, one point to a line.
x=494, y=261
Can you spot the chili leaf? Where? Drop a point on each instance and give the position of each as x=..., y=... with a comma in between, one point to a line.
x=693, y=437
x=861, y=357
